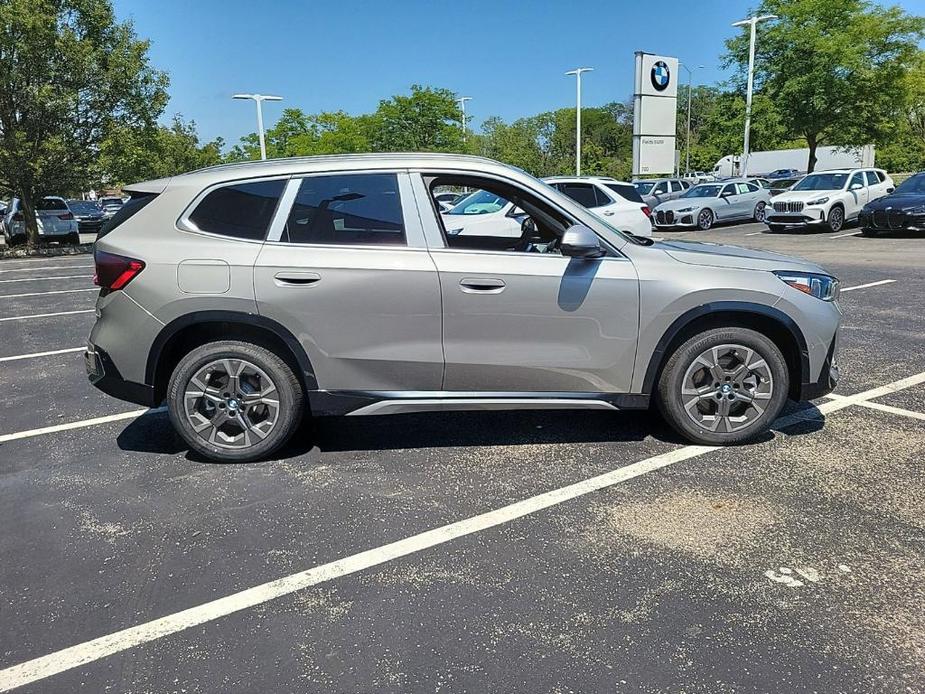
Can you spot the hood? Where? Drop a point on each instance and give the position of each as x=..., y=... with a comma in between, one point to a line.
x=719, y=255
x=899, y=201
x=682, y=203
x=805, y=195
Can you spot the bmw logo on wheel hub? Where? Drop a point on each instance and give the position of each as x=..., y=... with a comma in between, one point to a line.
x=660, y=76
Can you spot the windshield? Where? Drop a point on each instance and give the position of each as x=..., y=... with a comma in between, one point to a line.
x=644, y=187
x=108, y=202
x=479, y=202
x=83, y=206
x=823, y=181
x=913, y=184
x=705, y=191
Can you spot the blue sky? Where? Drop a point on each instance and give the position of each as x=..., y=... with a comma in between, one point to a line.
x=508, y=56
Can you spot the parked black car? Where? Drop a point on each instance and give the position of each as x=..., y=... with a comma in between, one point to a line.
x=901, y=210
x=89, y=215
x=784, y=173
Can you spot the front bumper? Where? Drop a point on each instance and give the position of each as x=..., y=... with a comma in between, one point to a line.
x=807, y=217
x=828, y=376
x=103, y=374
x=670, y=218
x=891, y=220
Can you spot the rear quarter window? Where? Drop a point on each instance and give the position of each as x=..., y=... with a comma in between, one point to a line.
x=626, y=192
x=238, y=210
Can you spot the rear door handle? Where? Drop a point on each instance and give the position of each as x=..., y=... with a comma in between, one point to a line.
x=297, y=279
x=481, y=285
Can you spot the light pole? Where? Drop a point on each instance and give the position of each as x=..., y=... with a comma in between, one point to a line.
x=259, y=99
x=751, y=22
x=577, y=72
x=690, y=78
x=462, y=105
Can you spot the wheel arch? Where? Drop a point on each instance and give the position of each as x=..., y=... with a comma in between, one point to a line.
x=187, y=332
x=774, y=324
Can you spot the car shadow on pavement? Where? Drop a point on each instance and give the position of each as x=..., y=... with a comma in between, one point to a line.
x=152, y=433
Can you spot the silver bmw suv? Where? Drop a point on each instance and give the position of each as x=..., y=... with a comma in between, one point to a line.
x=248, y=295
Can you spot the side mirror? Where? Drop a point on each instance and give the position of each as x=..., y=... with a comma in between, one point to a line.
x=856, y=186
x=890, y=189
x=580, y=242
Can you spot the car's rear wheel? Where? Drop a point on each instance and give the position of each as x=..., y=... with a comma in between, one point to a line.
x=234, y=401
x=723, y=386
x=705, y=220
x=73, y=239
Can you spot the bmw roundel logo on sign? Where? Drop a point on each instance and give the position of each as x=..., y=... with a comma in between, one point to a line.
x=660, y=76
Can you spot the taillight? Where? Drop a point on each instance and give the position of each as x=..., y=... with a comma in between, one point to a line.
x=646, y=211
x=113, y=271
x=67, y=216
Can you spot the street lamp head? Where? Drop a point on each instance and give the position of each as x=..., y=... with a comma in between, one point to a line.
x=754, y=20
x=578, y=71
x=258, y=97
x=243, y=96
x=464, y=99
x=268, y=97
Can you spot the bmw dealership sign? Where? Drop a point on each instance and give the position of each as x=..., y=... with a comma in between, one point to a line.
x=654, y=114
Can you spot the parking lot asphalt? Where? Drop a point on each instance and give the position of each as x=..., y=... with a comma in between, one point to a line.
x=523, y=551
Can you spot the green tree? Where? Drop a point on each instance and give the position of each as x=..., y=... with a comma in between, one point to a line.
x=69, y=73
x=136, y=154
x=834, y=69
x=427, y=120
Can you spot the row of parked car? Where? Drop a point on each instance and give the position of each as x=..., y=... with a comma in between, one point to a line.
x=58, y=219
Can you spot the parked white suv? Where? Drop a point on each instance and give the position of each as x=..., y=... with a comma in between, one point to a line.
x=828, y=198
x=617, y=203
x=482, y=213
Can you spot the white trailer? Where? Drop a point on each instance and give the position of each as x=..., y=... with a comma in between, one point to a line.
x=826, y=158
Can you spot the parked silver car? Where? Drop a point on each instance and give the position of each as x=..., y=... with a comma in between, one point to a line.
x=655, y=191
x=704, y=205
x=250, y=294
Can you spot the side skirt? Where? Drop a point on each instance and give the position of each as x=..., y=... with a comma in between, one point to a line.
x=358, y=403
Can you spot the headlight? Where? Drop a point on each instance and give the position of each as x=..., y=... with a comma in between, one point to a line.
x=686, y=209
x=820, y=201
x=917, y=210
x=820, y=286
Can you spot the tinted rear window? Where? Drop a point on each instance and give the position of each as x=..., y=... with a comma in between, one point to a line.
x=240, y=210
x=129, y=209
x=52, y=204
x=626, y=192
x=582, y=193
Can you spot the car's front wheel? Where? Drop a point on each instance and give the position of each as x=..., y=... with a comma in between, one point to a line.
x=723, y=386
x=234, y=401
x=705, y=220
x=760, y=212
x=836, y=218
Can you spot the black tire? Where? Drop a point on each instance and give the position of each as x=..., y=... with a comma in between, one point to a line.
x=291, y=399
x=17, y=240
x=705, y=219
x=669, y=394
x=836, y=220
x=760, y=212
x=73, y=239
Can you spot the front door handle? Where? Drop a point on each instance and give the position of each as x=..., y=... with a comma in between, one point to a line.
x=481, y=285
x=297, y=279
x=608, y=213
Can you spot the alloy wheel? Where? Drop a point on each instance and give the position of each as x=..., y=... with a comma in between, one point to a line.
x=836, y=219
x=231, y=403
x=760, y=212
x=727, y=388
x=705, y=219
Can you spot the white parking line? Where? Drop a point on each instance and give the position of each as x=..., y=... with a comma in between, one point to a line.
x=48, y=315
x=885, y=408
x=755, y=233
x=81, y=424
x=45, y=267
x=869, y=284
x=43, y=354
x=841, y=236
x=56, y=291
x=46, y=279
x=110, y=644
